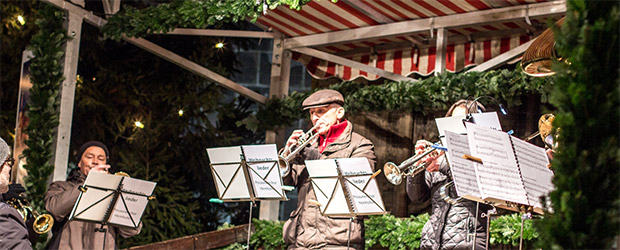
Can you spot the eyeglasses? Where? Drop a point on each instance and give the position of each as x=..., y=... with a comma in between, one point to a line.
x=9, y=161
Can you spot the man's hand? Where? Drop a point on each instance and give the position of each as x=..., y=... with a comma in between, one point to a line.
x=101, y=168
x=292, y=140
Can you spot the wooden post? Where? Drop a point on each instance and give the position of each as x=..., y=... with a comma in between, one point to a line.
x=440, y=55
x=67, y=94
x=280, y=72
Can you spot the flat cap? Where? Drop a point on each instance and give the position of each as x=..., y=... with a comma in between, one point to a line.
x=323, y=97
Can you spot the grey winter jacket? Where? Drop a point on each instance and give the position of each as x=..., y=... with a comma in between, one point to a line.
x=13, y=232
x=450, y=226
x=306, y=227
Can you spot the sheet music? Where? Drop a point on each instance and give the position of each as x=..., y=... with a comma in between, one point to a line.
x=364, y=191
x=264, y=171
x=454, y=124
x=93, y=195
x=227, y=172
x=136, y=204
x=533, y=163
x=487, y=119
x=324, y=177
x=463, y=172
x=498, y=176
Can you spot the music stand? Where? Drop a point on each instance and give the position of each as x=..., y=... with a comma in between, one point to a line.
x=247, y=173
x=345, y=187
x=99, y=200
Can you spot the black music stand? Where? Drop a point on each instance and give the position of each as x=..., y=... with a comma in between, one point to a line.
x=99, y=200
x=246, y=173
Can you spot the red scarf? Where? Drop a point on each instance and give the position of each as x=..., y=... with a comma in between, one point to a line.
x=332, y=134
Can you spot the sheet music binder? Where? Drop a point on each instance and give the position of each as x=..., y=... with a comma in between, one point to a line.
x=246, y=173
x=113, y=200
x=513, y=174
x=345, y=187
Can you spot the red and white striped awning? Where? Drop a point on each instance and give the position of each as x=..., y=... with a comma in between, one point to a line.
x=324, y=16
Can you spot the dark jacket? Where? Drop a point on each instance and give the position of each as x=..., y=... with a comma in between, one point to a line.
x=13, y=232
x=451, y=226
x=59, y=200
x=306, y=227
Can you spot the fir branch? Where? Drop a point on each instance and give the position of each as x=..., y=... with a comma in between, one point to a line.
x=587, y=95
x=424, y=96
x=199, y=14
x=46, y=76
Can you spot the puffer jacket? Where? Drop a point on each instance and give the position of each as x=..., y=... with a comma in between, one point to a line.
x=307, y=228
x=59, y=200
x=450, y=226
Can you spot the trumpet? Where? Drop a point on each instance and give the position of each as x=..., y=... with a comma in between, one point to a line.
x=394, y=174
x=42, y=222
x=285, y=157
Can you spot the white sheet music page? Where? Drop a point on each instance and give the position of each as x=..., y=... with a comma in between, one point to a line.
x=533, y=163
x=498, y=176
x=324, y=177
x=364, y=192
x=136, y=202
x=93, y=195
x=454, y=124
x=264, y=171
x=227, y=172
x=487, y=119
x=463, y=172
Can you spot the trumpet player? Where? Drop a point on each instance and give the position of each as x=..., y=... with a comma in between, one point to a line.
x=307, y=228
x=62, y=195
x=13, y=231
x=452, y=225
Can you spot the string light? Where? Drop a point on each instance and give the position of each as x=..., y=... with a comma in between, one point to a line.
x=180, y=112
x=139, y=124
x=219, y=45
x=21, y=20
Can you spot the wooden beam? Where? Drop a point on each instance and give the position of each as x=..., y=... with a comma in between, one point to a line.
x=193, y=67
x=503, y=58
x=536, y=10
x=353, y=64
x=222, y=33
x=110, y=7
x=440, y=57
x=370, y=12
x=62, y=139
x=455, y=39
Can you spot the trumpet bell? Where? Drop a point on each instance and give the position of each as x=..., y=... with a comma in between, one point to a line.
x=43, y=223
x=392, y=173
x=284, y=166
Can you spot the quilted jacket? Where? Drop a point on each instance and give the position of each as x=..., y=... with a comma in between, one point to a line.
x=450, y=226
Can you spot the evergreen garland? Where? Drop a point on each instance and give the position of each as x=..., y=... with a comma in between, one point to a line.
x=434, y=93
x=585, y=201
x=46, y=76
x=165, y=17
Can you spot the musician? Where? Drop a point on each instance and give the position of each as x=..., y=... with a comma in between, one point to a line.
x=451, y=226
x=306, y=227
x=13, y=232
x=62, y=195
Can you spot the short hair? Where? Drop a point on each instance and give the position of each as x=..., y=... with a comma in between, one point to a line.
x=471, y=106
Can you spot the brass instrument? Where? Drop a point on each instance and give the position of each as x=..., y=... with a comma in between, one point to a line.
x=286, y=155
x=42, y=223
x=545, y=129
x=394, y=174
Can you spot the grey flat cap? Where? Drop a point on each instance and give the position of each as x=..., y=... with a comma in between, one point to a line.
x=322, y=98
